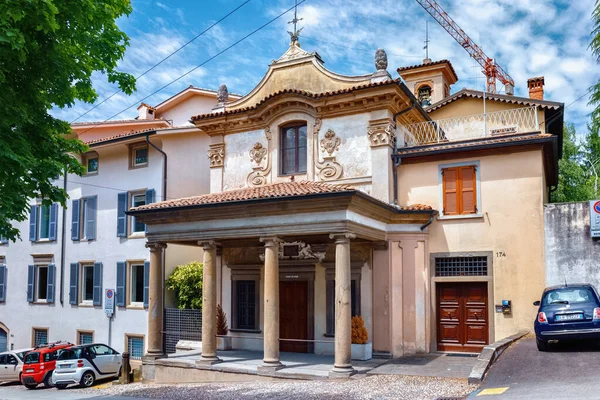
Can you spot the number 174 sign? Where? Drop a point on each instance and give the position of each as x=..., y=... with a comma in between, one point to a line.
x=595, y=218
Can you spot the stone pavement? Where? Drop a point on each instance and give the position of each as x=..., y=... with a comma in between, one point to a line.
x=432, y=364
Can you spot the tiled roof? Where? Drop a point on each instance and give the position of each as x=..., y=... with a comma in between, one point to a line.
x=504, y=98
x=294, y=91
x=472, y=143
x=121, y=135
x=409, y=67
x=118, y=121
x=279, y=190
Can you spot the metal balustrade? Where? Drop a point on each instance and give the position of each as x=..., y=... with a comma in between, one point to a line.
x=497, y=123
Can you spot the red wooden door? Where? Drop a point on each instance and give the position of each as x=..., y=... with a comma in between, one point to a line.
x=462, y=316
x=293, y=315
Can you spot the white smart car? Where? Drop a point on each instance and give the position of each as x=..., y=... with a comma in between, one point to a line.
x=85, y=364
x=11, y=365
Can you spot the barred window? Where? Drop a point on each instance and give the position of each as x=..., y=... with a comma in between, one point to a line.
x=135, y=346
x=246, y=304
x=40, y=336
x=461, y=266
x=85, y=338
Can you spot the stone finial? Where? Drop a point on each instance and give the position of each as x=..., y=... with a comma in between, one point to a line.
x=381, y=61
x=222, y=94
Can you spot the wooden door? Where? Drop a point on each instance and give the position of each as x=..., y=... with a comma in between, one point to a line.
x=462, y=316
x=293, y=315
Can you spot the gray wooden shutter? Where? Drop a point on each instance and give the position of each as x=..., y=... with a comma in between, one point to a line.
x=121, y=217
x=75, y=216
x=97, y=284
x=146, y=282
x=74, y=283
x=51, y=281
x=90, y=223
x=2, y=283
x=53, y=221
x=33, y=220
x=121, y=282
x=150, y=196
x=30, y=280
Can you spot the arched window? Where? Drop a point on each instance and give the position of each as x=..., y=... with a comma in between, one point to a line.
x=293, y=149
x=424, y=95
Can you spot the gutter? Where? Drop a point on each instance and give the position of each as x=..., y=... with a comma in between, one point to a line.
x=63, y=243
x=428, y=222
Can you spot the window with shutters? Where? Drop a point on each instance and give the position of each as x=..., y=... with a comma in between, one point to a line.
x=460, y=190
x=137, y=200
x=41, y=280
x=3, y=276
x=83, y=218
x=87, y=283
x=43, y=222
x=41, y=283
x=129, y=226
x=293, y=149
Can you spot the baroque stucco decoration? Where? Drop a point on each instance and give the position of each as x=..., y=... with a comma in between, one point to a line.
x=216, y=155
x=381, y=61
x=258, y=153
x=305, y=252
x=328, y=169
x=381, y=133
x=222, y=94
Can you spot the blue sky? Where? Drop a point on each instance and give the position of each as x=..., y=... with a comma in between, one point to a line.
x=527, y=37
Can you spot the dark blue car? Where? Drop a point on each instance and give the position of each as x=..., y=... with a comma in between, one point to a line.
x=567, y=312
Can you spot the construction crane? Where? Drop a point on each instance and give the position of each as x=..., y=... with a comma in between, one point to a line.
x=491, y=70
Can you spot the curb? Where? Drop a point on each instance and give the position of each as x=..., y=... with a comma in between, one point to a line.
x=489, y=355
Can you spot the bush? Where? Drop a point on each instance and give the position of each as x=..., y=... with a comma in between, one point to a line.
x=222, y=327
x=359, y=332
x=186, y=281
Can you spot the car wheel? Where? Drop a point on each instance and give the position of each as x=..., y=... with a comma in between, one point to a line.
x=542, y=345
x=29, y=386
x=87, y=379
x=60, y=386
x=48, y=381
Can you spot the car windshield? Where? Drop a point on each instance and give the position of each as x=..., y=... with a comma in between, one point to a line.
x=70, y=354
x=21, y=355
x=568, y=296
x=32, y=358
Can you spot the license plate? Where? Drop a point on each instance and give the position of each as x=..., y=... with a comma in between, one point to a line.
x=65, y=366
x=569, y=317
x=29, y=370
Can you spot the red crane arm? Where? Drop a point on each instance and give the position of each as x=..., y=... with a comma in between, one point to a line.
x=490, y=68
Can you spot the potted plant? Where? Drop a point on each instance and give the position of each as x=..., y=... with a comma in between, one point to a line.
x=223, y=341
x=361, y=348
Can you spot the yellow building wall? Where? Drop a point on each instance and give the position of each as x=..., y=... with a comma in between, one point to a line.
x=512, y=226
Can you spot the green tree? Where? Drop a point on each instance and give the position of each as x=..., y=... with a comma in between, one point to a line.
x=592, y=157
x=573, y=179
x=186, y=281
x=49, y=50
x=595, y=47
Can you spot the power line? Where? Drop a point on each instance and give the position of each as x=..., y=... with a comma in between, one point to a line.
x=354, y=48
x=579, y=98
x=198, y=66
x=113, y=188
x=165, y=59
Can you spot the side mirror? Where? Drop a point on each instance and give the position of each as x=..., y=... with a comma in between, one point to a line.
x=536, y=303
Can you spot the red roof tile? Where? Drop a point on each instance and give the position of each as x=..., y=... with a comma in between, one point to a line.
x=409, y=67
x=118, y=121
x=504, y=98
x=122, y=135
x=294, y=91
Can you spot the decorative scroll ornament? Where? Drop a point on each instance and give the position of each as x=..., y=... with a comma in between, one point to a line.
x=222, y=94
x=299, y=251
x=381, y=61
x=258, y=153
x=216, y=155
x=381, y=133
x=317, y=126
x=330, y=142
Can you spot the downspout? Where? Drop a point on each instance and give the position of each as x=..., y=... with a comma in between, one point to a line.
x=428, y=222
x=63, y=243
x=396, y=160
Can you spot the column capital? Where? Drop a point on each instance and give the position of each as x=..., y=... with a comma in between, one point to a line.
x=208, y=244
x=271, y=241
x=156, y=247
x=342, y=237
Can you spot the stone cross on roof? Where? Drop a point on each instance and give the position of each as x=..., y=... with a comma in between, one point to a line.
x=296, y=33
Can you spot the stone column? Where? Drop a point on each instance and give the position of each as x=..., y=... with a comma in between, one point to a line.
x=271, y=329
x=342, y=367
x=155, y=301
x=209, y=305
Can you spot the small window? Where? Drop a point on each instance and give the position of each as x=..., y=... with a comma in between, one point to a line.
x=91, y=161
x=41, y=283
x=135, y=347
x=87, y=283
x=459, y=190
x=246, y=304
x=461, y=266
x=139, y=156
x=85, y=337
x=40, y=336
x=44, y=225
x=293, y=149
x=137, y=200
x=136, y=290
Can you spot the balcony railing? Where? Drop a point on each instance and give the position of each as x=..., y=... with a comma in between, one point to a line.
x=518, y=120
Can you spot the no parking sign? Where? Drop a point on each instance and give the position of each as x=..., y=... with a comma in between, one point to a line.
x=595, y=218
x=109, y=302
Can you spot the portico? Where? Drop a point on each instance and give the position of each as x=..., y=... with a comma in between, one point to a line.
x=306, y=228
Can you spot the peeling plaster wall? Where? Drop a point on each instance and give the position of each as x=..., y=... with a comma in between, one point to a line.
x=570, y=251
x=237, y=163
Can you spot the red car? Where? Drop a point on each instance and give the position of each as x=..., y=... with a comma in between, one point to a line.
x=40, y=363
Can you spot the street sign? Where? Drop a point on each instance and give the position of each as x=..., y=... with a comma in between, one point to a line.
x=595, y=218
x=109, y=302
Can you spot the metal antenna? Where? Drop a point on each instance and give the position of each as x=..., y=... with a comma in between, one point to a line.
x=296, y=33
x=426, y=47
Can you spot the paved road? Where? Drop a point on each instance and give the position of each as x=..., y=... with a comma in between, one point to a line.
x=568, y=371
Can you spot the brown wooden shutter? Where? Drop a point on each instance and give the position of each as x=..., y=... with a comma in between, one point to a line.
x=450, y=189
x=468, y=190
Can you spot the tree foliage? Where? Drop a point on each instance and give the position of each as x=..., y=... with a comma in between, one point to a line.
x=222, y=328
x=186, y=281
x=359, y=332
x=595, y=47
x=49, y=50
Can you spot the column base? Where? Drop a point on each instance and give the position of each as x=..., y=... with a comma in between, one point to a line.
x=269, y=367
x=207, y=361
x=341, y=372
x=148, y=366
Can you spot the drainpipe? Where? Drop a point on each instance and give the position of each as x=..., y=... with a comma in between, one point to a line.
x=428, y=222
x=63, y=243
x=396, y=160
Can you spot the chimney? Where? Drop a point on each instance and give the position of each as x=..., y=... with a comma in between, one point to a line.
x=146, y=111
x=536, y=88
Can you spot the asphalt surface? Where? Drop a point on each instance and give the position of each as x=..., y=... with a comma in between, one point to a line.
x=566, y=371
